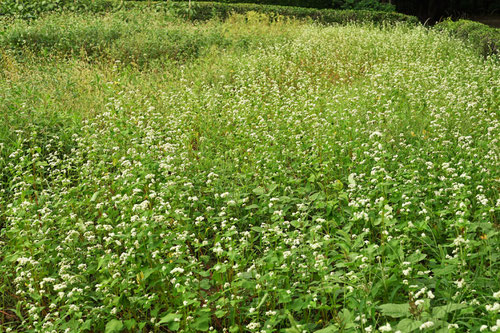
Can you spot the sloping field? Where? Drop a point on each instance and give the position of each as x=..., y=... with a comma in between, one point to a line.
x=251, y=175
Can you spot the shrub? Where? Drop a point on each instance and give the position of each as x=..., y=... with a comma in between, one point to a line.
x=33, y=8
x=293, y=3
x=337, y=4
x=484, y=38
x=207, y=10
x=363, y=4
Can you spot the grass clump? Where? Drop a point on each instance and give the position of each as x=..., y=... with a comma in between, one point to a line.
x=286, y=176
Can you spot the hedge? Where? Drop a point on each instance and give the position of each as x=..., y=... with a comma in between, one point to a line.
x=33, y=8
x=320, y=4
x=207, y=10
x=483, y=38
x=294, y=3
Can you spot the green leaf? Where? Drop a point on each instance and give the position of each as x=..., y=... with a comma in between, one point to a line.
x=94, y=196
x=395, y=310
x=202, y=323
x=171, y=317
x=129, y=324
x=87, y=325
x=174, y=326
x=205, y=284
x=351, y=180
x=408, y=325
x=330, y=329
x=114, y=325
x=416, y=257
x=259, y=190
x=262, y=301
x=220, y=313
x=444, y=270
x=441, y=311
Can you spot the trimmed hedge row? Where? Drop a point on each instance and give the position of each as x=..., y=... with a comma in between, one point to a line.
x=33, y=8
x=207, y=10
x=293, y=3
x=321, y=4
x=484, y=38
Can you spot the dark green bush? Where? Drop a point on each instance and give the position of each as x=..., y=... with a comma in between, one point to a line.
x=321, y=4
x=363, y=4
x=484, y=38
x=208, y=10
x=33, y=8
x=295, y=3
x=125, y=36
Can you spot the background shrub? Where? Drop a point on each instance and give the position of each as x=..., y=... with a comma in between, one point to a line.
x=336, y=4
x=33, y=8
x=363, y=4
x=208, y=10
x=484, y=38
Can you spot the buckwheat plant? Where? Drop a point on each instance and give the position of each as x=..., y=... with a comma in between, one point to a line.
x=252, y=175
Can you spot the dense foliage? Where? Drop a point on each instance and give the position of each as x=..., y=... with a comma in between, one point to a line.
x=484, y=38
x=336, y=4
x=258, y=174
x=209, y=10
x=436, y=9
x=33, y=8
x=363, y=5
x=295, y=3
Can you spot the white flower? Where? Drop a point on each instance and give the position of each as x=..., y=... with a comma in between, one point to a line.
x=177, y=270
x=419, y=302
x=483, y=328
x=368, y=329
x=450, y=326
x=494, y=328
x=427, y=324
x=460, y=283
x=493, y=308
x=386, y=328
x=496, y=295
x=253, y=326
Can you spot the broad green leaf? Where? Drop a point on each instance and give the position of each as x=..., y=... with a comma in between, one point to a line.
x=329, y=329
x=220, y=313
x=202, y=323
x=259, y=190
x=440, y=311
x=114, y=325
x=129, y=324
x=395, y=310
x=351, y=180
x=408, y=325
x=444, y=270
x=170, y=318
x=416, y=257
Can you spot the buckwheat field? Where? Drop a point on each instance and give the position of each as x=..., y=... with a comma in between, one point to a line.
x=253, y=174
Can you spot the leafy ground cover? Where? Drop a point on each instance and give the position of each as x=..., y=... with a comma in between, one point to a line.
x=251, y=175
